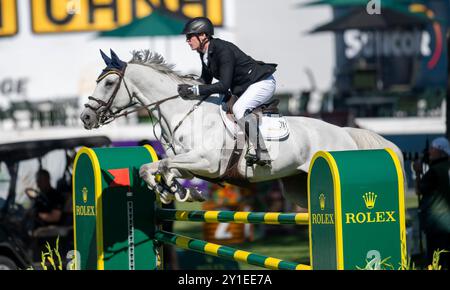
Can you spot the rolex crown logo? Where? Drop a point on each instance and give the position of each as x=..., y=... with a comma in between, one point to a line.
x=322, y=201
x=85, y=192
x=369, y=199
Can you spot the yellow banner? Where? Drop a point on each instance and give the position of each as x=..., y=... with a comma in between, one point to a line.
x=8, y=17
x=49, y=16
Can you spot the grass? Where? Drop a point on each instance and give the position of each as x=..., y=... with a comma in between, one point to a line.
x=51, y=258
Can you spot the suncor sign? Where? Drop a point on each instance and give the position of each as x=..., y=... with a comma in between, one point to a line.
x=386, y=43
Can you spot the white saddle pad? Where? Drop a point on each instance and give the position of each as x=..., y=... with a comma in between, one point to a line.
x=272, y=127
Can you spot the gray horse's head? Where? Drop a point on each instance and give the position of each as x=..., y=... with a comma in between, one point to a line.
x=110, y=95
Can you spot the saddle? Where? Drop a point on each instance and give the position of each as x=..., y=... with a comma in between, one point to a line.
x=272, y=125
x=265, y=109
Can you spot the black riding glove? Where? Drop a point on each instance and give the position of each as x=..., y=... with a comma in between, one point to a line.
x=187, y=91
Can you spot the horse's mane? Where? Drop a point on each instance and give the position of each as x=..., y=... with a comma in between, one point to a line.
x=156, y=61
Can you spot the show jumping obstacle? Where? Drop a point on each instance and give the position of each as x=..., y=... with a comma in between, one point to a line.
x=356, y=203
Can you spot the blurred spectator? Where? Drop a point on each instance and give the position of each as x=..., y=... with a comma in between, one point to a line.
x=49, y=202
x=275, y=202
x=274, y=198
x=64, y=187
x=434, y=188
x=226, y=197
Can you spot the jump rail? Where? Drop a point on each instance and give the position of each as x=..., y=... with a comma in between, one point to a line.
x=241, y=217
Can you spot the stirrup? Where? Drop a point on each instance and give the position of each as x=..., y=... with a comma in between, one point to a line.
x=251, y=159
x=264, y=162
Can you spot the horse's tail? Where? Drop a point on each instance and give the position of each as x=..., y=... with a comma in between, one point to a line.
x=366, y=139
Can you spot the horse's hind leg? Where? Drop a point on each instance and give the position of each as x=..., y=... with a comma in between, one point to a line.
x=295, y=189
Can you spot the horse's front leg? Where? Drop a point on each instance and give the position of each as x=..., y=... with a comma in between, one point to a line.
x=170, y=169
x=150, y=174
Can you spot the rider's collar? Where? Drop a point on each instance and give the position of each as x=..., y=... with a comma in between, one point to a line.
x=210, y=46
x=209, y=50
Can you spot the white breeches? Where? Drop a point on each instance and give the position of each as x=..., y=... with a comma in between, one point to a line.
x=255, y=95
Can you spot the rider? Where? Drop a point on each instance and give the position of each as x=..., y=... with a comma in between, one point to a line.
x=250, y=80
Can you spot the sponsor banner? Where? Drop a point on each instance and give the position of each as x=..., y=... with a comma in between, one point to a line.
x=8, y=17
x=50, y=16
x=357, y=211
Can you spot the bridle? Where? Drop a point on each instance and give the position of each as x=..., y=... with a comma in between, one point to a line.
x=106, y=115
x=104, y=111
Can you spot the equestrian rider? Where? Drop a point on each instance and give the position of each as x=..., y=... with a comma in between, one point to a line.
x=250, y=80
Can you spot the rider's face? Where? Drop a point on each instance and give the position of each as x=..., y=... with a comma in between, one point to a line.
x=194, y=42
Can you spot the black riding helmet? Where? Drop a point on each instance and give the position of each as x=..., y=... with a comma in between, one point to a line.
x=199, y=25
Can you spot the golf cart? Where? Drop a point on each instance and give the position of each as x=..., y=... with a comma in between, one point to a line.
x=22, y=239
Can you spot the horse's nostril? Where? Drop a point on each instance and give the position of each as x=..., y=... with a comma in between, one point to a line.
x=87, y=117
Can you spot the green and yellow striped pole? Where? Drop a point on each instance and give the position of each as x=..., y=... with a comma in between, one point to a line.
x=227, y=252
x=274, y=218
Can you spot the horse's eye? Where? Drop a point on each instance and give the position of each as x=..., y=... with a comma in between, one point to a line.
x=109, y=83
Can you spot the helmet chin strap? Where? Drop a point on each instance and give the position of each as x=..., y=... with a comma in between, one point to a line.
x=202, y=43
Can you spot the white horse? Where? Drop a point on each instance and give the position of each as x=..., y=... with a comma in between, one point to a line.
x=197, y=141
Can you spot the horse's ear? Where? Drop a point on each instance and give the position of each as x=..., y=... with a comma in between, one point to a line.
x=105, y=58
x=114, y=57
x=113, y=54
x=115, y=60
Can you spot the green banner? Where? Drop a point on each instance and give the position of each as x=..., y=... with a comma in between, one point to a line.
x=357, y=210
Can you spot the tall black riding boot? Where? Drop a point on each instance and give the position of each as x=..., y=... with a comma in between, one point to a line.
x=249, y=124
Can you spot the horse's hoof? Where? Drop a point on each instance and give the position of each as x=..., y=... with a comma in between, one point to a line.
x=150, y=179
x=183, y=195
x=189, y=195
x=175, y=187
x=166, y=201
x=168, y=178
x=166, y=197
